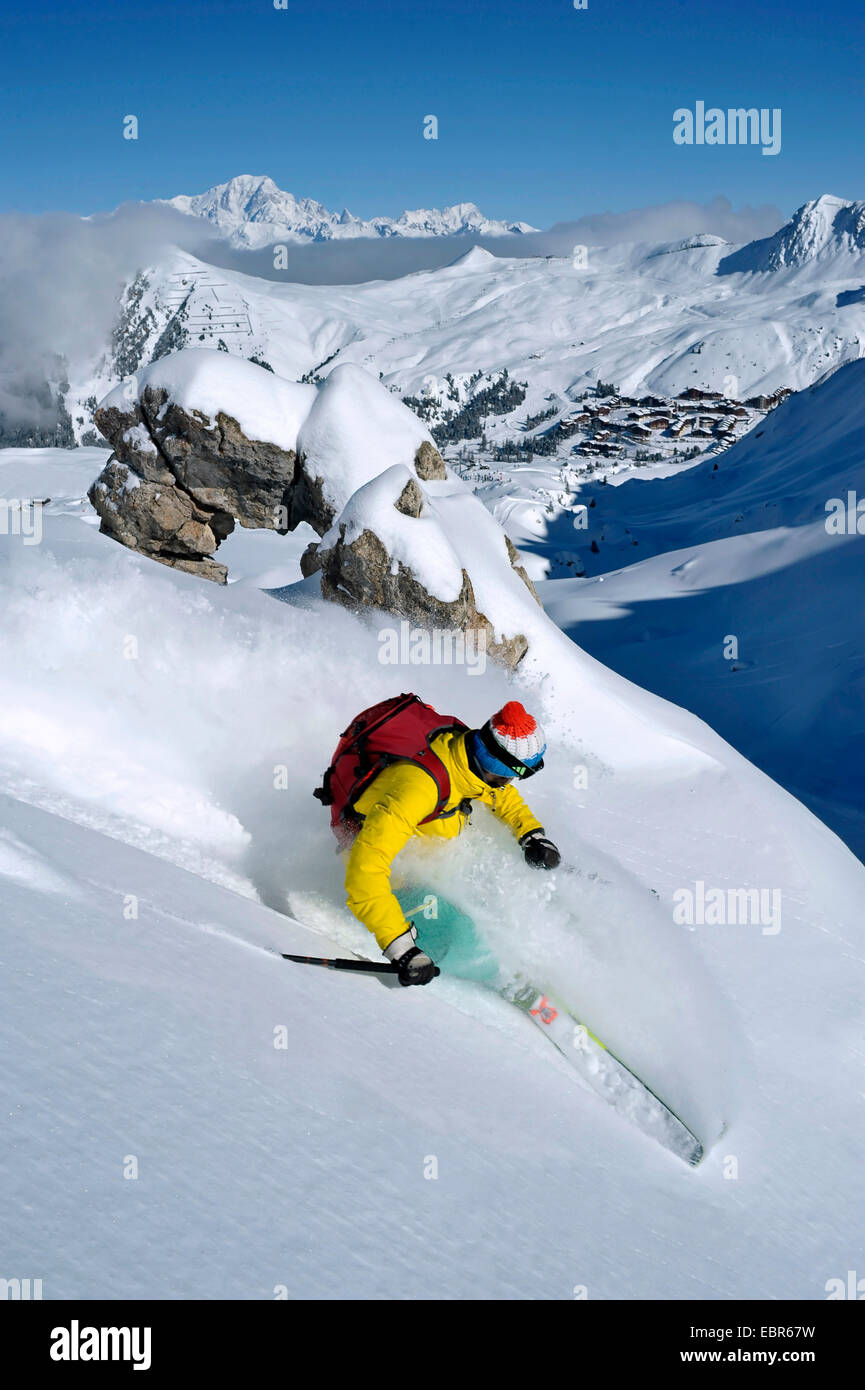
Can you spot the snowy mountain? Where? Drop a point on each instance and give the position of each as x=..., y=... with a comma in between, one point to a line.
x=827, y=230
x=250, y=210
x=649, y=318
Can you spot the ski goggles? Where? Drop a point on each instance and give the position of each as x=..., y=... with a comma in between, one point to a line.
x=497, y=760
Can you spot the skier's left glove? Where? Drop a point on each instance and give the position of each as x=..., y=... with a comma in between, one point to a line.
x=540, y=852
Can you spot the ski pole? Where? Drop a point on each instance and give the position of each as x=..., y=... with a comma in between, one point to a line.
x=371, y=966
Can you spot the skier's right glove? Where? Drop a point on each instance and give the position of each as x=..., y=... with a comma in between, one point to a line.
x=540, y=852
x=413, y=966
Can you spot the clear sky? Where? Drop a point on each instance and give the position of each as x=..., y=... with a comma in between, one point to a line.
x=545, y=112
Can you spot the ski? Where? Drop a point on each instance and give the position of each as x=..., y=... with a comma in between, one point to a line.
x=609, y=1077
x=590, y=1058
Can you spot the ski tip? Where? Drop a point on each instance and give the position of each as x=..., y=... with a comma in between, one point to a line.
x=699, y=1152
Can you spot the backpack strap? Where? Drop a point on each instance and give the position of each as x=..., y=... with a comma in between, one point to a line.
x=435, y=769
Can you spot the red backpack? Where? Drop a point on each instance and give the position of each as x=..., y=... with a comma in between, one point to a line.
x=400, y=729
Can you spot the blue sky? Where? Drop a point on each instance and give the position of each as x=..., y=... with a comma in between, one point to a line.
x=545, y=112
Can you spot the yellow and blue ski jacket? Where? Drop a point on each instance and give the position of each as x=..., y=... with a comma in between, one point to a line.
x=392, y=807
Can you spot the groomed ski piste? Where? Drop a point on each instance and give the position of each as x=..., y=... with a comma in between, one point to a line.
x=186, y=1115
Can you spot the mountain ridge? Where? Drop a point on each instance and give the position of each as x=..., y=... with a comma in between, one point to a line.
x=254, y=212
x=824, y=229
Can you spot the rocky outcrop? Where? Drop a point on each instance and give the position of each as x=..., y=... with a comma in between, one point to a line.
x=361, y=574
x=429, y=464
x=181, y=477
x=159, y=520
x=358, y=571
x=513, y=556
x=214, y=462
x=220, y=474
x=199, y=476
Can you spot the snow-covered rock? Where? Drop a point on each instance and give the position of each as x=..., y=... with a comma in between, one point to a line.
x=355, y=429
x=391, y=548
x=242, y=443
x=184, y=470
x=202, y=382
x=213, y=439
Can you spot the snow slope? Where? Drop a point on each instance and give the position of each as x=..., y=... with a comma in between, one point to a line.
x=161, y=739
x=745, y=547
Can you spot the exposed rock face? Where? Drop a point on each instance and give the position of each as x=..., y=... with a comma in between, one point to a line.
x=410, y=500
x=198, y=476
x=128, y=433
x=360, y=573
x=307, y=500
x=429, y=464
x=159, y=520
x=519, y=569
x=216, y=464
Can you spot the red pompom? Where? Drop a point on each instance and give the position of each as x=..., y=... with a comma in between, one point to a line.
x=512, y=719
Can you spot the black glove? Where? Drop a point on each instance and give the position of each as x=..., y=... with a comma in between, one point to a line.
x=540, y=852
x=415, y=968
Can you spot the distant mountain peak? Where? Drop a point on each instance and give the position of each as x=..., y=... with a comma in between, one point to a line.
x=474, y=259
x=822, y=229
x=251, y=210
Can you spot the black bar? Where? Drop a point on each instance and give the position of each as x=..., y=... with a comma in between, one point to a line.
x=233, y=1338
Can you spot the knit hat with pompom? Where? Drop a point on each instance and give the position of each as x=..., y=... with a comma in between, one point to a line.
x=511, y=744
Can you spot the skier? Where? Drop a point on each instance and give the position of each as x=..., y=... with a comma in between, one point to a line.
x=481, y=764
x=401, y=769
